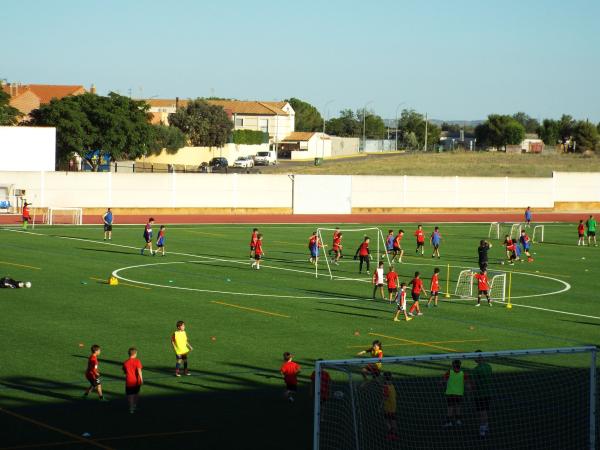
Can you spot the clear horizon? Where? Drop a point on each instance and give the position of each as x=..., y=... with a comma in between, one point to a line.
x=457, y=60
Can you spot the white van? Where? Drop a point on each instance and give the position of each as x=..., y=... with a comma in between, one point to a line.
x=266, y=158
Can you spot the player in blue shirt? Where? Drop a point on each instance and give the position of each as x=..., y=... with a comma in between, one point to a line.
x=107, y=218
x=160, y=242
x=389, y=242
x=526, y=244
x=148, y=236
x=436, y=240
x=528, y=217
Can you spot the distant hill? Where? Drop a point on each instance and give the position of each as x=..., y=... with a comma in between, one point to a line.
x=468, y=123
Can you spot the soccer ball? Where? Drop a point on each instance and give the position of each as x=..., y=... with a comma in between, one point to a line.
x=28, y=284
x=502, y=262
x=338, y=395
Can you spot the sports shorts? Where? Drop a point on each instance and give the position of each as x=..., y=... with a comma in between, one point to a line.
x=415, y=296
x=434, y=293
x=483, y=292
x=392, y=290
x=94, y=381
x=591, y=233
x=454, y=400
x=132, y=390
x=107, y=227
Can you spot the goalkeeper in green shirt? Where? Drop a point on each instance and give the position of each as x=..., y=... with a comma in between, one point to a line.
x=590, y=224
x=481, y=383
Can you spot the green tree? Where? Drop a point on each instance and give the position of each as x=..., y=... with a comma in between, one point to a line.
x=308, y=117
x=115, y=125
x=8, y=114
x=346, y=125
x=373, y=124
x=205, y=125
x=530, y=124
x=585, y=134
x=549, y=132
x=170, y=138
x=566, y=125
x=499, y=131
x=451, y=127
x=413, y=122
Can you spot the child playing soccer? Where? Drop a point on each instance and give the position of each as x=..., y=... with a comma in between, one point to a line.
x=420, y=235
x=92, y=374
x=160, y=242
x=511, y=250
x=482, y=287
x=26, y=215
x=392, y=283
x=398, y=252
x=435, y=288
x=389, y=242
x=290, y=370
x=336, y=248
x=182, y=347
x=528, y=217
x=455, y=379
x=581, y=233
x=378, y=279
x=148, y=236
x=436, y=240
x=591, y=231
x=375, y=351
x=389, y=407
x=401, y=303
x=364, y=254
x=133, y=379
x=526, y=245
x=258, y=252
x=253, y=239
x=314, y=243
x=417, y=287
x=107, y=219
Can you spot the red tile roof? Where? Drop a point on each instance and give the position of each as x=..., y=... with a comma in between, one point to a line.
x=45, y=92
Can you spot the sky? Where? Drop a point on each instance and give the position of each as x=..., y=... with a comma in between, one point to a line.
x=451, y=59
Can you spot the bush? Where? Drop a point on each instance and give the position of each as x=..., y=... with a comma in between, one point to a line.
x=249, y=137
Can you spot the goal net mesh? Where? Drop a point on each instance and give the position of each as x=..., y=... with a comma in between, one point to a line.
x=538, y=233
x=63, y=216
x=466, y=285
x=523, y=399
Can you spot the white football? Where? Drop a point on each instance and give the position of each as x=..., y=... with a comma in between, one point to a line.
x=338, y=395
x=28, y=284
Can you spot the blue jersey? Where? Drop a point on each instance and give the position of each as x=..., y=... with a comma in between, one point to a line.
x=108, y=218
x=148, y=232
x=436, y=238
x=528, y=215
x=389, y=243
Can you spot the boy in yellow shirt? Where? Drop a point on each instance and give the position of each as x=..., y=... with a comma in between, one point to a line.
x=182, y=347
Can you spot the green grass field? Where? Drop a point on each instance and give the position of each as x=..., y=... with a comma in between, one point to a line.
x=240, y=321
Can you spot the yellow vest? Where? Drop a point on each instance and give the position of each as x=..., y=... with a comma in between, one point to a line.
x=456, y=383
x=180, y=342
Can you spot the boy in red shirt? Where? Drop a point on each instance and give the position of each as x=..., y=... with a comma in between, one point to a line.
x=253, y=239
x=581, y=233
x=511, y=249
x=133, y=379
x=482, y=287
x=420, y=235
x=336, y=247
x=364, y=254
x=417, y=288
x=26, y=215
x=258, y=252
x=392, y=283
x=435, y=288
x=290, y=370
x=398, y=252
x=92, y=374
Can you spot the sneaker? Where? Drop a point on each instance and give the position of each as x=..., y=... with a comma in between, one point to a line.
x=396, y=319
x=410, y=314
x=490, y=304
x=131, y=411
x=142, y=252
x=409, y=318
x=478, y=304
x=419, y=314
x=187, y=373
x=291, y=399
x=103, y=399
x=177, y=374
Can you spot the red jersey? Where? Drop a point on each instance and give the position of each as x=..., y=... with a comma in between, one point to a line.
x=337, y=242
x=325, y=383
x=435, y=282
x=397, y=240
x=581, y=229
x=258, y=250
x=363, y=250
x=253, y=238
x=482, y=281
x=401, y=298
x=130, y=367
x=92, y=367
x=290, y=370
x=26, y=212
x=392, y=280
x=336, y=234
x=312, y=241
x=420, y=236
x=417, y=285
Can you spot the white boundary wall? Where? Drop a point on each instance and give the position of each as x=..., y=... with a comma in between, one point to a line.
x=27, y=148
x=311, y=194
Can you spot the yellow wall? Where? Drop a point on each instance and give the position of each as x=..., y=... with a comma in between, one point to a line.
x=194, y=156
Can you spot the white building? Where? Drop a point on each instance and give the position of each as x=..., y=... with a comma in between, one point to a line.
x=305, y=145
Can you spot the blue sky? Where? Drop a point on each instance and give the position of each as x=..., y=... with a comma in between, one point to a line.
x=460, y=59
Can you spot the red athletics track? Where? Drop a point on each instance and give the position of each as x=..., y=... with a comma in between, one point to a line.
x=487, y=217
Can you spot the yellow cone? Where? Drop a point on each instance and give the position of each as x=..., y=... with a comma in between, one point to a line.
x=113, y=281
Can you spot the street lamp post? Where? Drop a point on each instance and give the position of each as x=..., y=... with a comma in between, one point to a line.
x=325, y=115
x=365, y=125
x=396, y=135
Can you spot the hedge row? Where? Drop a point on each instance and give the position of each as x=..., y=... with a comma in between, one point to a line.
x=250, y=137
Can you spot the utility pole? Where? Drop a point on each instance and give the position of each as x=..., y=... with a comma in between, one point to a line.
x=396, y=134
x=325, y=114
x=365, y=125
x=425, y=131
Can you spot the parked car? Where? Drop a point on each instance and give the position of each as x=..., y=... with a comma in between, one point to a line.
x=218, y=164
x=244, y=161
x=266, y=158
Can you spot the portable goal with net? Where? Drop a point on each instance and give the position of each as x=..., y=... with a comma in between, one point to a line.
x=537, y=235
x=465, y=285
x=496, y=230
x=63, y=216
x=377, y=245
x=533, y=399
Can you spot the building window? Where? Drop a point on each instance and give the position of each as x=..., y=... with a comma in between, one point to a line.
x=239, y=122
x=263, y=125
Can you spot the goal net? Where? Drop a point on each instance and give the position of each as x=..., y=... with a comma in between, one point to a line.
x=494, y=230
x=351, y=240
x=466, y=285
x=538, y=233
x=514, y=399
x=515, y=231
x=63, y=216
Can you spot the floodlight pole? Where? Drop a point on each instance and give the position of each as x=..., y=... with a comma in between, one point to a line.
x=325, y=115
x=365, y=125
x=425, y=131
x=396, y=134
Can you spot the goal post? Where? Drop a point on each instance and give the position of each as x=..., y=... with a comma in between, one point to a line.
x=537, y=234
x=378, y=249
x=515, y=230
x=531, y=398
x=63, y=216
x=494, y=230
x=465, y=285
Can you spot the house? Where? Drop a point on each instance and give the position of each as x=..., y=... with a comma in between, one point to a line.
x=27, y=97
x=304, y=145
x=275, y=118
x=450, y=140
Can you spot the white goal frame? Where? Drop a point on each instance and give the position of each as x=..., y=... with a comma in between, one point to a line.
x=515, y=230
x=48, y=217
x=348, y=365
x=497, y=285
x=495, y=229
x=378, y=238
x=534, y=234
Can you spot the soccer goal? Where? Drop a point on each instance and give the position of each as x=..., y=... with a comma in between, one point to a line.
x=63, y=216
x=494, y=230
x=515, y=230
x=352, y=238
x=464, y=285
x=532, y=398
x=538, y=234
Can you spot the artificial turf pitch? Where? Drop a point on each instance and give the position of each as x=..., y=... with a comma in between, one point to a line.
x=240, y=321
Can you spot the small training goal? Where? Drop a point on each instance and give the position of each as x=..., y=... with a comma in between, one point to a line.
x=63, y=216
x=538, y=234
x=465, y=285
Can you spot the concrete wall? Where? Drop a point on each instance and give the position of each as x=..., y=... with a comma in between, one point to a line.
x=341, y=146
x=194, y=156
x=27, y=148
x=310, y=194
